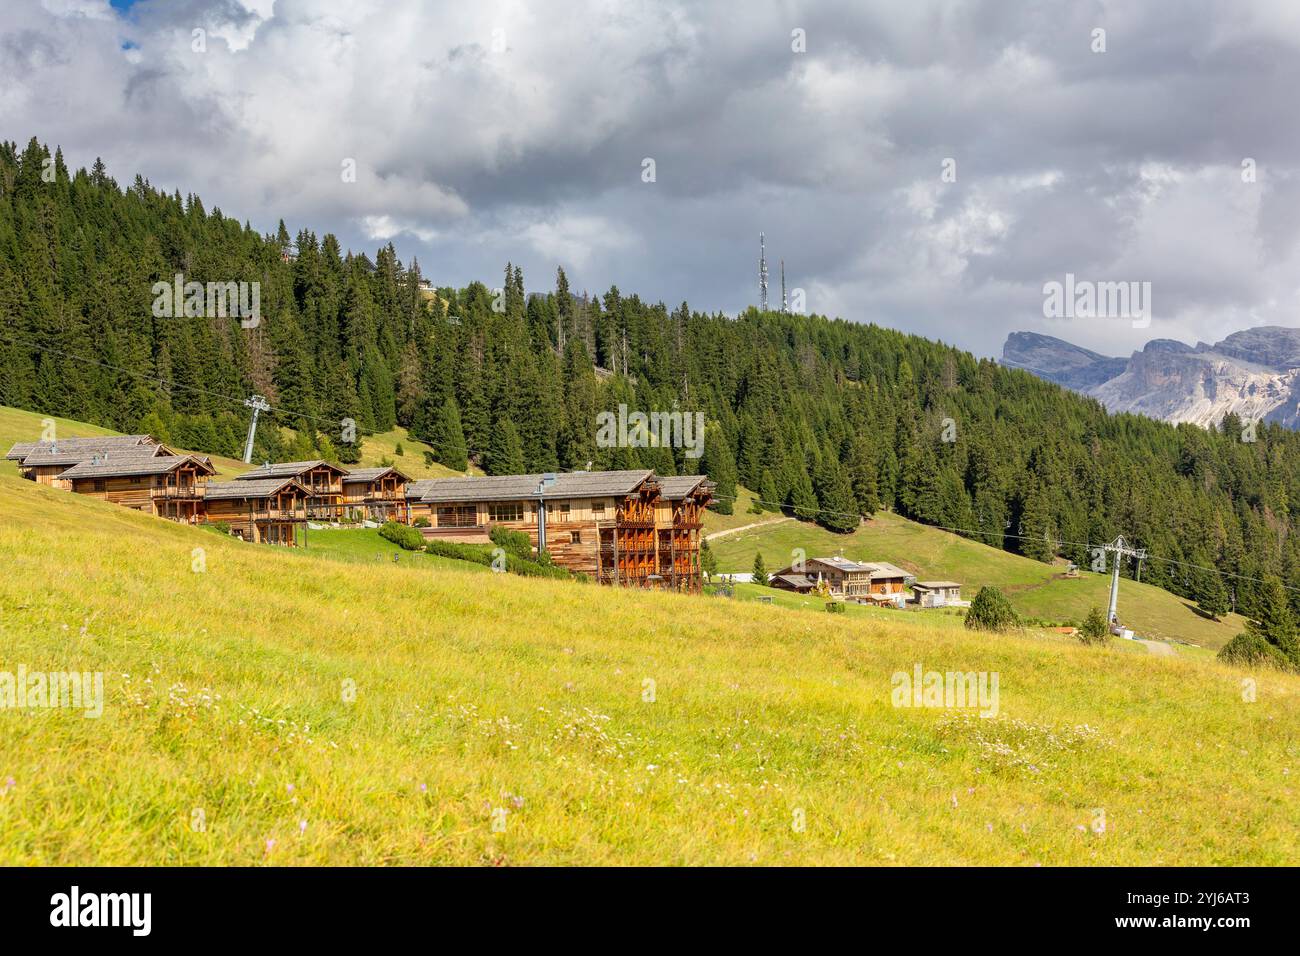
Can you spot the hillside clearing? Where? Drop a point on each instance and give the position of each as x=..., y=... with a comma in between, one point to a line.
x=1035, y=589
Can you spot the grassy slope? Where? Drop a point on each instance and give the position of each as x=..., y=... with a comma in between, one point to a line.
x=383, y=447
x=481, y=691
x=1036, y=589
x=362, y=545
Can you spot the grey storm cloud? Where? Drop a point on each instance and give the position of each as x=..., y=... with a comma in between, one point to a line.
x=489, y=132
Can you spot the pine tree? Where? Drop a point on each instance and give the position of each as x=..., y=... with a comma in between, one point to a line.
x=1213, y=596
x=1094, y=629
x=449, y=439
x=505, y=454
x=838, y=509
x=991, y=611
x=760, y=570
x=717, y=462
x=708, y=560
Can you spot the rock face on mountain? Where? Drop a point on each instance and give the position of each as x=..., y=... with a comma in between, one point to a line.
x=1254, y=374
x=1059, y=361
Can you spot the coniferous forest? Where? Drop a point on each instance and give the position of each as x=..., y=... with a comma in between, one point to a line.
x=824, y=418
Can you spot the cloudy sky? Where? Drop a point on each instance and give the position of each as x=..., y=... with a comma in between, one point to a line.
x=485, y=132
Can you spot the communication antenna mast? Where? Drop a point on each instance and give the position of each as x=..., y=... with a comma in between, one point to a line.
x=762, y=273
x=1120, y=549
x=785, y=305
x=258, y=404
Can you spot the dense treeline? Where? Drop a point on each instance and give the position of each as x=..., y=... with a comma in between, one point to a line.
x=824, y=418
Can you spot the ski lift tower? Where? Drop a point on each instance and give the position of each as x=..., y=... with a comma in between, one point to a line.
x=1120, y=549
x=258, y=404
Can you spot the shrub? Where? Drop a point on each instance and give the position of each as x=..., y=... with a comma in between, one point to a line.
x=513, y=542
x=421, y=522
x=1251, y=649
x=480, y=554
x=991, y=611
x=835, y=607
x=1094, y=629
x=404, y=536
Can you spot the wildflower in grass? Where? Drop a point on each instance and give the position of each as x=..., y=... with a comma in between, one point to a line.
x=302, y=826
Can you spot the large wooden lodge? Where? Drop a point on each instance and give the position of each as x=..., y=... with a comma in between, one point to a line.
x=619, y=527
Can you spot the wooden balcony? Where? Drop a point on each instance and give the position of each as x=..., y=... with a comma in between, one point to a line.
x=185, y=492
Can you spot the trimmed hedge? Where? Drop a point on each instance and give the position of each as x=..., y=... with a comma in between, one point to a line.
x=403, y=536
x=480, y=554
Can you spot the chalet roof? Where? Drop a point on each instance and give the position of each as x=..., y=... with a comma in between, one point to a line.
x=797, y=581
x=935, y=585
x=256, y=488
x=677, y=487
x=572, y=484
x=371, y=474
x=70, y=451
x=134, y=465
x=287, y=469
x=843, y=564
x=883, y=569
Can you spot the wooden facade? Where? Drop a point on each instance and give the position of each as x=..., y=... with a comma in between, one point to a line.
x=322, y=481
x=617, y=527
x=266, y=510
x=169, y=486
x=376, y=494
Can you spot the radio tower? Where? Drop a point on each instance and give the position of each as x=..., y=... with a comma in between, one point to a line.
x=785, y=306
x=762, y=274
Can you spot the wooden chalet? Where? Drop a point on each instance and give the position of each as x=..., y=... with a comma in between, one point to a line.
x=169, y=486
x=865, y=582
x=790, y=581
x=45, y=462
x=323, y=481
x=679, y=518
x=888, y=584
x=378, y=494
x=615, y=526
x=259, y=510
x=938, y=594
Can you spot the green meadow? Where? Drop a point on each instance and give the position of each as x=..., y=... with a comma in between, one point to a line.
x=329, y=706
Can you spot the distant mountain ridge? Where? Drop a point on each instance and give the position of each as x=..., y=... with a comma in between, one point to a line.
x=1253, y=374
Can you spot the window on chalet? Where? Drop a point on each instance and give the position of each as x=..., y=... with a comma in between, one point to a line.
x=575, y=537
x=457, y=516
x=101, y=485
x=559, y=510
x=508, y=511
x=598, y=509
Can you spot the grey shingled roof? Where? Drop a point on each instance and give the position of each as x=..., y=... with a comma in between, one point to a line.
x=258, y=488
x=883, y=569
x=70, y=451
x=573, y=484
x=121, y=467
x=371, y=474
x=935, y=585
x=796, y=580
x=843, y=564
x=285, y=469
x=676, y=487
